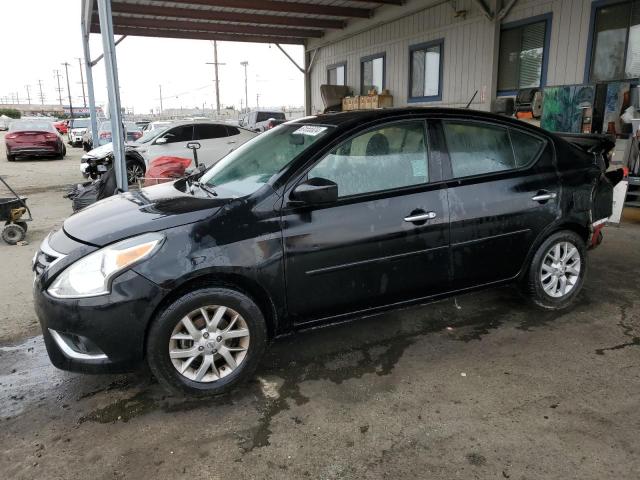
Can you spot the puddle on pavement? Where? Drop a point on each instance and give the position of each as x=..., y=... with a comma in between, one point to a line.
x=335, y=354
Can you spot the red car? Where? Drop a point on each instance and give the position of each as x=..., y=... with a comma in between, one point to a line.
x=33, y=138
x=62, y=126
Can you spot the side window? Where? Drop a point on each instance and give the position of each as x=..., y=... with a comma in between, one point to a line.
x=231, y=131
x=207, y=131
x=475, y=149
x=390, y=157
x=526, y=147
x=183, y=133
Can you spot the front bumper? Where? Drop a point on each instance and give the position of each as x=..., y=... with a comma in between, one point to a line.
x=103, y=334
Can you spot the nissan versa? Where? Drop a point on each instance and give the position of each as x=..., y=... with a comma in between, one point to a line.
x=318, y=220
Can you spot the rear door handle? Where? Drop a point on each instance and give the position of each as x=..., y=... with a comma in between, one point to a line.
x=544, y=196
x=420, y=217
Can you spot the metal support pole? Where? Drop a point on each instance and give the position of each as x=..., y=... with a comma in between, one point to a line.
x=246, y=91
x=113, y=91
x=161, y=108
x=92, y=99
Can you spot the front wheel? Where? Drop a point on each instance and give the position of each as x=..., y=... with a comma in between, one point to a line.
x=557, y=271
x=135, y=171
x=207, y=342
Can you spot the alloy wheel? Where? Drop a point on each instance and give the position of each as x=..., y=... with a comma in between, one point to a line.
x=209, y=343
x=560, y=270
x=134, y=172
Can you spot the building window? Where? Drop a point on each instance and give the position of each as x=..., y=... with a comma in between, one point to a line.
x=337, y=74
x=425, y=71
x=615, y=41
x=523, y=55
x=372, y=70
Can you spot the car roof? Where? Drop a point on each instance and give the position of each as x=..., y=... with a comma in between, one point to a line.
x=347, y=119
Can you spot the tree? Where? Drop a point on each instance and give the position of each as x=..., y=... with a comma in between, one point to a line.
x=10, y=112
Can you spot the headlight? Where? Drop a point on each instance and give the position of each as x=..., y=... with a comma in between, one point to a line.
x=91, y=276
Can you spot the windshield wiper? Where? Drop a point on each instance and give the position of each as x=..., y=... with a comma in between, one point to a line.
x=201, y=186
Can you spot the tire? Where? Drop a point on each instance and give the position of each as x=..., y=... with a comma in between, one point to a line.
x=22, y=225
x=11, y=158
x=135, y=170
x=13, y=233
x=169, y=323
x=544, y=285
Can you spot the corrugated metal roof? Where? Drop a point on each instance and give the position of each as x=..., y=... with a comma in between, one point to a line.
x=264, y=21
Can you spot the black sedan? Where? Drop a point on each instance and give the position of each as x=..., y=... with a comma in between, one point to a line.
x=317, y=220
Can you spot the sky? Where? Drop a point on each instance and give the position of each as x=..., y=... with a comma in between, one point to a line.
x=38, y=36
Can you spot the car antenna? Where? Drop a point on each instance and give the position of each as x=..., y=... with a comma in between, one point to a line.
x=472, y=98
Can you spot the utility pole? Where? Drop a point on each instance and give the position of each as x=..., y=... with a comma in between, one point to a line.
x=246, y=94
x=28, y=95
x=84, y=96
x=216, y=80
x=17, y=98
x=160, y=99
x=257, y=100
x=57, y=75
x=41, y=94
x=66, y=69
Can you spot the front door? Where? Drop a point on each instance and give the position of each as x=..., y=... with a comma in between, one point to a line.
x=385, y=240
x=502, y=193
x=176, y=145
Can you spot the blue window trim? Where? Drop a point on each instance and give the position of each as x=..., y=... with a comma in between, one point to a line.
x=336, y=65
x=592, y=26
x=421, y=46
x=383, y=56
x=546, y=17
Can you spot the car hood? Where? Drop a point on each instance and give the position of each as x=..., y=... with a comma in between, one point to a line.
x=101, y=151
x=151, y=209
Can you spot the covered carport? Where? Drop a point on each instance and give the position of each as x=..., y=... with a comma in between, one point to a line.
x=260, y=21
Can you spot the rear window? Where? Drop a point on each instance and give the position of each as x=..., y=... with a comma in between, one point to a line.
x=80, y=123
x=31, y=125
x=264, y=116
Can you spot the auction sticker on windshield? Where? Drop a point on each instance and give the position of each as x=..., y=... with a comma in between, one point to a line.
x=311, y=130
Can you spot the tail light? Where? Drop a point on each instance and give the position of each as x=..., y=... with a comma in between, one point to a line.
x=137, y=135
x=105, y=135
x=11, y=136
x=50, y=136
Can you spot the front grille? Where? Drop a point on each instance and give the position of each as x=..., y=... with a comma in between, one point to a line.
x=45, y=257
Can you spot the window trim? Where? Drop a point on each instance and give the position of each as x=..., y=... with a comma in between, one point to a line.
x=335, y=66
x=421, y=46
x=448, y=175
x=548, y=19
x=368, y=58
x=595, y=6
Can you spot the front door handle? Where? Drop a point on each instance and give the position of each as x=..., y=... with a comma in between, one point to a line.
x=544, y=196
x=420, y=217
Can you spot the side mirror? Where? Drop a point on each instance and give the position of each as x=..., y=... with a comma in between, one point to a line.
x=315, y=191
x=161, y=141
x=194, y=145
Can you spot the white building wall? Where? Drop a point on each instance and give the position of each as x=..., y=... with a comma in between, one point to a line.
x=468, y=62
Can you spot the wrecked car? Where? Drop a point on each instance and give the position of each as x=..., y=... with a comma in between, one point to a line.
x=318, y=220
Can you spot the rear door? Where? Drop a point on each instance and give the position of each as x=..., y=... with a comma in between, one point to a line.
x=386, y=238
x=214, y=142
x=503, y=192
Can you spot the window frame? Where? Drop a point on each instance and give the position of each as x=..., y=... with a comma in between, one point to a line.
x=447, y=167
x=548, y=19
x=588, y=67
x=422, y=46
x=334, y=67
x=369, y=58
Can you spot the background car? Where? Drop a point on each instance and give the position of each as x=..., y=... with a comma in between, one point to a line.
x=77, y=128
x=133, y=131
x=216, y=140
x=258, y=120
x=155, y=125
x=33, y=138
x=62, y=126
x=4, y=122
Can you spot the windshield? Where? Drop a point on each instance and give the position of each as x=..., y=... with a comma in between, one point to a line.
x=31, y=125
x=252, y=165
x=130, y=126
x=80, y=123
x=151, y=135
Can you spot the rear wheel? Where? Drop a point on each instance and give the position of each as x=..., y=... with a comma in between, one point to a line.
x=557, y=271
x=10, y=158
x=207, y=342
